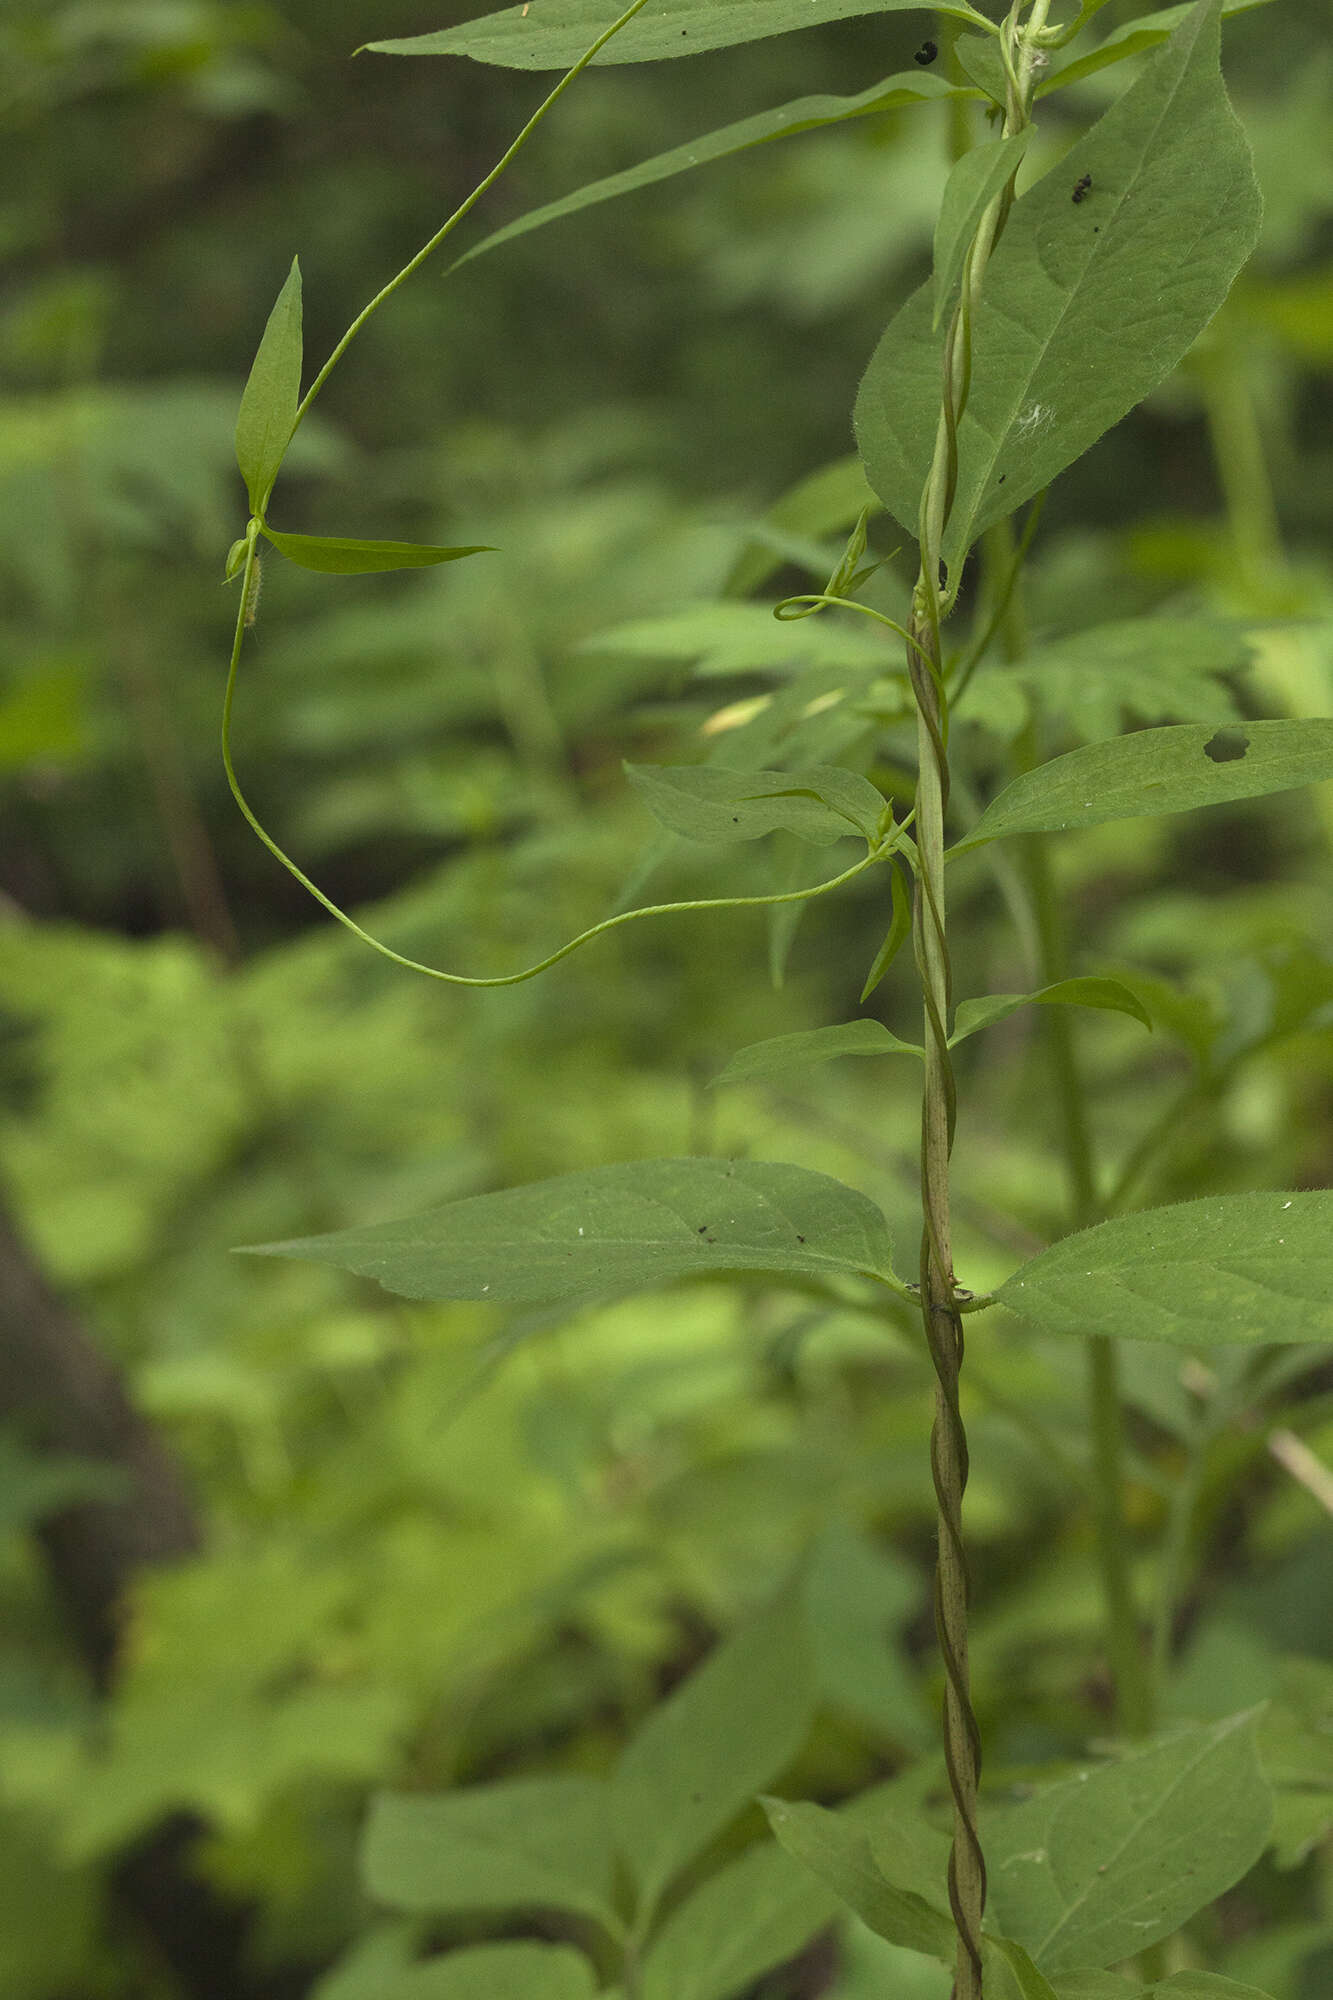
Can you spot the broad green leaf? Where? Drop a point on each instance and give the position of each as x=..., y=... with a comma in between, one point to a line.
x=615, y=1229
x=1158, y=771
x=267, y=416
x=974, y=182
x=519, y=1971
x=368, y=1968
x=1028, y=1981
x=1203, y=1986
x=803, y=114
x=1233, y=1267
x=705, y=1751
x=1095, y=1985
x=900, y=929
x=1105, y=1864
x=1086, y=306
x=531, y=1843
x=552, y=34
x=743, y=1920
x=973, y=1015
x=837, y=1852
x=1147, y=32
x=339, y=557
x=706, y=802
x=781, y=1054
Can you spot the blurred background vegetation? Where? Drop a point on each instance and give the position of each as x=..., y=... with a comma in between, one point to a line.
x=270, y=1538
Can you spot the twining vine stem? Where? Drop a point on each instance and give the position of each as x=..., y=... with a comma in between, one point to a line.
x=936, y=589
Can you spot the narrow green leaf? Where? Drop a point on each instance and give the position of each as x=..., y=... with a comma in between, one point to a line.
x=267, y=416
x=1086, y=306
x=614, y=1230
x=1233, y=1267
x=519, y=1971
x=838, y=1853
x=338, y=557
x=706, y=802
x=742, y=1921
x=702, y=1754
x=1031, y=1984
x=803, y=114
x=552, y=34
x=726, y=639
x=531, y=1843
x=1147, y=32
x=781, y=1054
x=1203, y=1986
x=1176, y=769
x=1099, y=1867
x=972, y=186
x=900, y=929
x=973, y=1015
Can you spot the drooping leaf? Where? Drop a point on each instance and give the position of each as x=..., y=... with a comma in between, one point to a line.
x=1158, y=771
x=1147, y=32
x=900, y=929
x=742, y=1921
x=1086, y=305
x=615, y=1229
x=518, y=1971
x=554, y=33
x=973, y=184
x=271, y=395
x=337, y=556
x=781, y=1054
x=702, y=1754
x=1105, y=1864
x=803, y=114
x=707, y=802
x=1233, y=1267
x=973, y=1015
x=837, y=1852
x=529, y=1843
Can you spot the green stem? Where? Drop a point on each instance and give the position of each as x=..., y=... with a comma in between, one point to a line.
x=1238, y=452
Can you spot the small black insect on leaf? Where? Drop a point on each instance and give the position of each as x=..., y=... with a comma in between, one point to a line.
x=799, y=1237
x=926, y=53
x=1081, y=187
x=1228, y=746
x=1000, y=481
x=702, y=1229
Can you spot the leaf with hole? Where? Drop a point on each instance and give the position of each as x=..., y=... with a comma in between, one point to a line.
x=974, y=1015
x=269, y=401
x=780, y=1055
x=337, y=556
x=1099, y=1867
x=706, y=802
x=554, y=33
x=1176, y=769
x=1085, y=307
x=613, y=1230
x=1231, y=1268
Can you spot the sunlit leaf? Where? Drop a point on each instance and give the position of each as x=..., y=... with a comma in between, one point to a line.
x=1158, y=771
x=613, y=1230
x=822, y=803
x=267, y=415
x=1108, y=1862
x=1233, y=1267
x=552, y=34
x=973, y=1015
x=339, y=557
x=1086, y=305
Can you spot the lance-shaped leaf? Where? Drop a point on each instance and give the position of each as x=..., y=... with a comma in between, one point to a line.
x=1086, y=305
x=267, y=416
x=337, y=556
x=1147, y=32
x=614, y=1230
x=530, y=1843
x=702, y=1754
x=803, y=114
x=1105, y=1864
x=973, y=184
x=705, y=802
x=781, y=1054
x=1168, y=770
x=973, y=1015
x=837, y=1851
x=900, y=929
x=552, y=34
x=741, y=1922
x=1233, y=1267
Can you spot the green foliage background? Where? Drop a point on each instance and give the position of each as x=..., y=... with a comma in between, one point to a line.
x=441, y=1544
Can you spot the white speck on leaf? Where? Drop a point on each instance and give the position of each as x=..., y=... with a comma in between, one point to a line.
x=1286, y=1204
